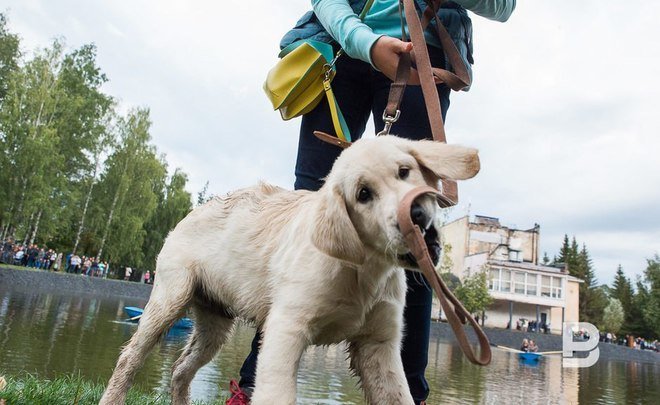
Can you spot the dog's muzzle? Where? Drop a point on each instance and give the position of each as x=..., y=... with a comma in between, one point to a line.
x=424, y=220
x=432, y=240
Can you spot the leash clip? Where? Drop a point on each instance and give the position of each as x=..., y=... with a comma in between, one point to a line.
x=389, y=120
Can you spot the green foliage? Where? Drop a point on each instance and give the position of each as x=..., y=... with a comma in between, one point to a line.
x=592, y=298
x=9, y=54
x=29, y=390
x=451, y=280
x=649, y=301
x=446, y=263
x=546, y=259
x=203, y=195
x=622, y=290
x=473, y=293
x=172, y=206
x=76, y=175
x=612, y=316
x=641, y=308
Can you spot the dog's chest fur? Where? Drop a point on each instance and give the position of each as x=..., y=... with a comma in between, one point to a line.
x=354, y=296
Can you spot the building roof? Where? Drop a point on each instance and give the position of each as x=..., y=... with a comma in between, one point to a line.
x=527, y=266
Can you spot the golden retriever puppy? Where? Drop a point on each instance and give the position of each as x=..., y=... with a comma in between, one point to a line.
x=310, y=268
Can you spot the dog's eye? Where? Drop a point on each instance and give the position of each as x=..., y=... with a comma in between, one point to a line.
x=404, y=172
x=364, y=195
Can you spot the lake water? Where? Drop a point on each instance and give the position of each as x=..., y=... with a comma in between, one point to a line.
x=52, y=334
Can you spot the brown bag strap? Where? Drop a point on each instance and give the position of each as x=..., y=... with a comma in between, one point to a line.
x=456, y=313
x=461, y=78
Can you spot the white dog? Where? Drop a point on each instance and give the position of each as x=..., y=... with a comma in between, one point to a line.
x=310, y=268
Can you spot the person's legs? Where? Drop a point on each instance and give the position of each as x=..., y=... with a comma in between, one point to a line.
x=413, y=124
x=249, y=368
x=415, y=345
x=315, y=157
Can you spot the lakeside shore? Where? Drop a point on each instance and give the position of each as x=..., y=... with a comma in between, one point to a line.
x=53, y=282
x=42, y=280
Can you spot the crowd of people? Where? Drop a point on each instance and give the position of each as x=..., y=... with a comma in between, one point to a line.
x=631, y=341
x=30, y=256
x=43, y=258
x=525, y=325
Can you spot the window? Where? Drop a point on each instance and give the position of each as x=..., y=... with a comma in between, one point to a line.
x=519, y=283
x=531, y=284
x=506, y=281
x=556, y=287
x=494, y=283
x=545, y=286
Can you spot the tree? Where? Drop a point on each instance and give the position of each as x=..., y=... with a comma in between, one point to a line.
x=546, y=259
x=127, y=193
x=638, y=324
x=203, y=195
x=579, y=264
x=473, y=293
x=31, y=175
x=73, y=173
x=51, y=119
x=623, y=291
x=9, y=54
x=567, y=252
x=650, y=302
x=613, y=316
x=592, y=299
x=174, y=204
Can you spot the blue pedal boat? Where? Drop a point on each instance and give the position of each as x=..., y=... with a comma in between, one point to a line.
x=135, y=313
x=530, y=356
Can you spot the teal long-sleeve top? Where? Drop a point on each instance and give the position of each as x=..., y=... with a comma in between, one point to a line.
x=357, y=37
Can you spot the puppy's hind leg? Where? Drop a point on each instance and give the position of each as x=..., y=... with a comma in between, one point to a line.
x=169, y=298
x=210, y=333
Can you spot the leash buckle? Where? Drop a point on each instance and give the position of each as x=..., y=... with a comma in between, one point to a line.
x=389, y=120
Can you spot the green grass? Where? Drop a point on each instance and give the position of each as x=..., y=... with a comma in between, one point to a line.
x=27, y=389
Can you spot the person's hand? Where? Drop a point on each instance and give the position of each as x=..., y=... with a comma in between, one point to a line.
x=385, y=57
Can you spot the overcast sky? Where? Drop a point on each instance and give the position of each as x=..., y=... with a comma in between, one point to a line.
x=563, y=108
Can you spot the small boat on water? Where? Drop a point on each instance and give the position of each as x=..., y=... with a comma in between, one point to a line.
x=529, y=356
x=135, y=313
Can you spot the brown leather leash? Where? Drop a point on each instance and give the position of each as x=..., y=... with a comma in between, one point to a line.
x=456, y=313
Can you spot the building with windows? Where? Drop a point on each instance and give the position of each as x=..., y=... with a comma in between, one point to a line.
x=523, y=290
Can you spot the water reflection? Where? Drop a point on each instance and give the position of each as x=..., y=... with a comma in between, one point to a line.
x=55, y=334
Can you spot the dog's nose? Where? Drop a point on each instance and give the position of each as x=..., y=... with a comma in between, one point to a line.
x=418, y=215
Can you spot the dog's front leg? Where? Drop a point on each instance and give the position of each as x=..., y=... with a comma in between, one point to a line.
x=376, y=357
x=284, y=341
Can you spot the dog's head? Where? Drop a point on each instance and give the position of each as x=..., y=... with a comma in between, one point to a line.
x=357, y=214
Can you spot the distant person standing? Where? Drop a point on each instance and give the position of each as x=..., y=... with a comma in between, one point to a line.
x=52, y=259
x=87, y=265
x=102, y=269
x=127, y=273
x=75, y=264
x=58, y=262
x=147, y=276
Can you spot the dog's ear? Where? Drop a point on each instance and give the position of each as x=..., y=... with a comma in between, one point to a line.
x=334, y=233
x=442, y=161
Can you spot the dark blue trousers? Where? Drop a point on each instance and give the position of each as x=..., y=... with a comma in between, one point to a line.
x=361, y=91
